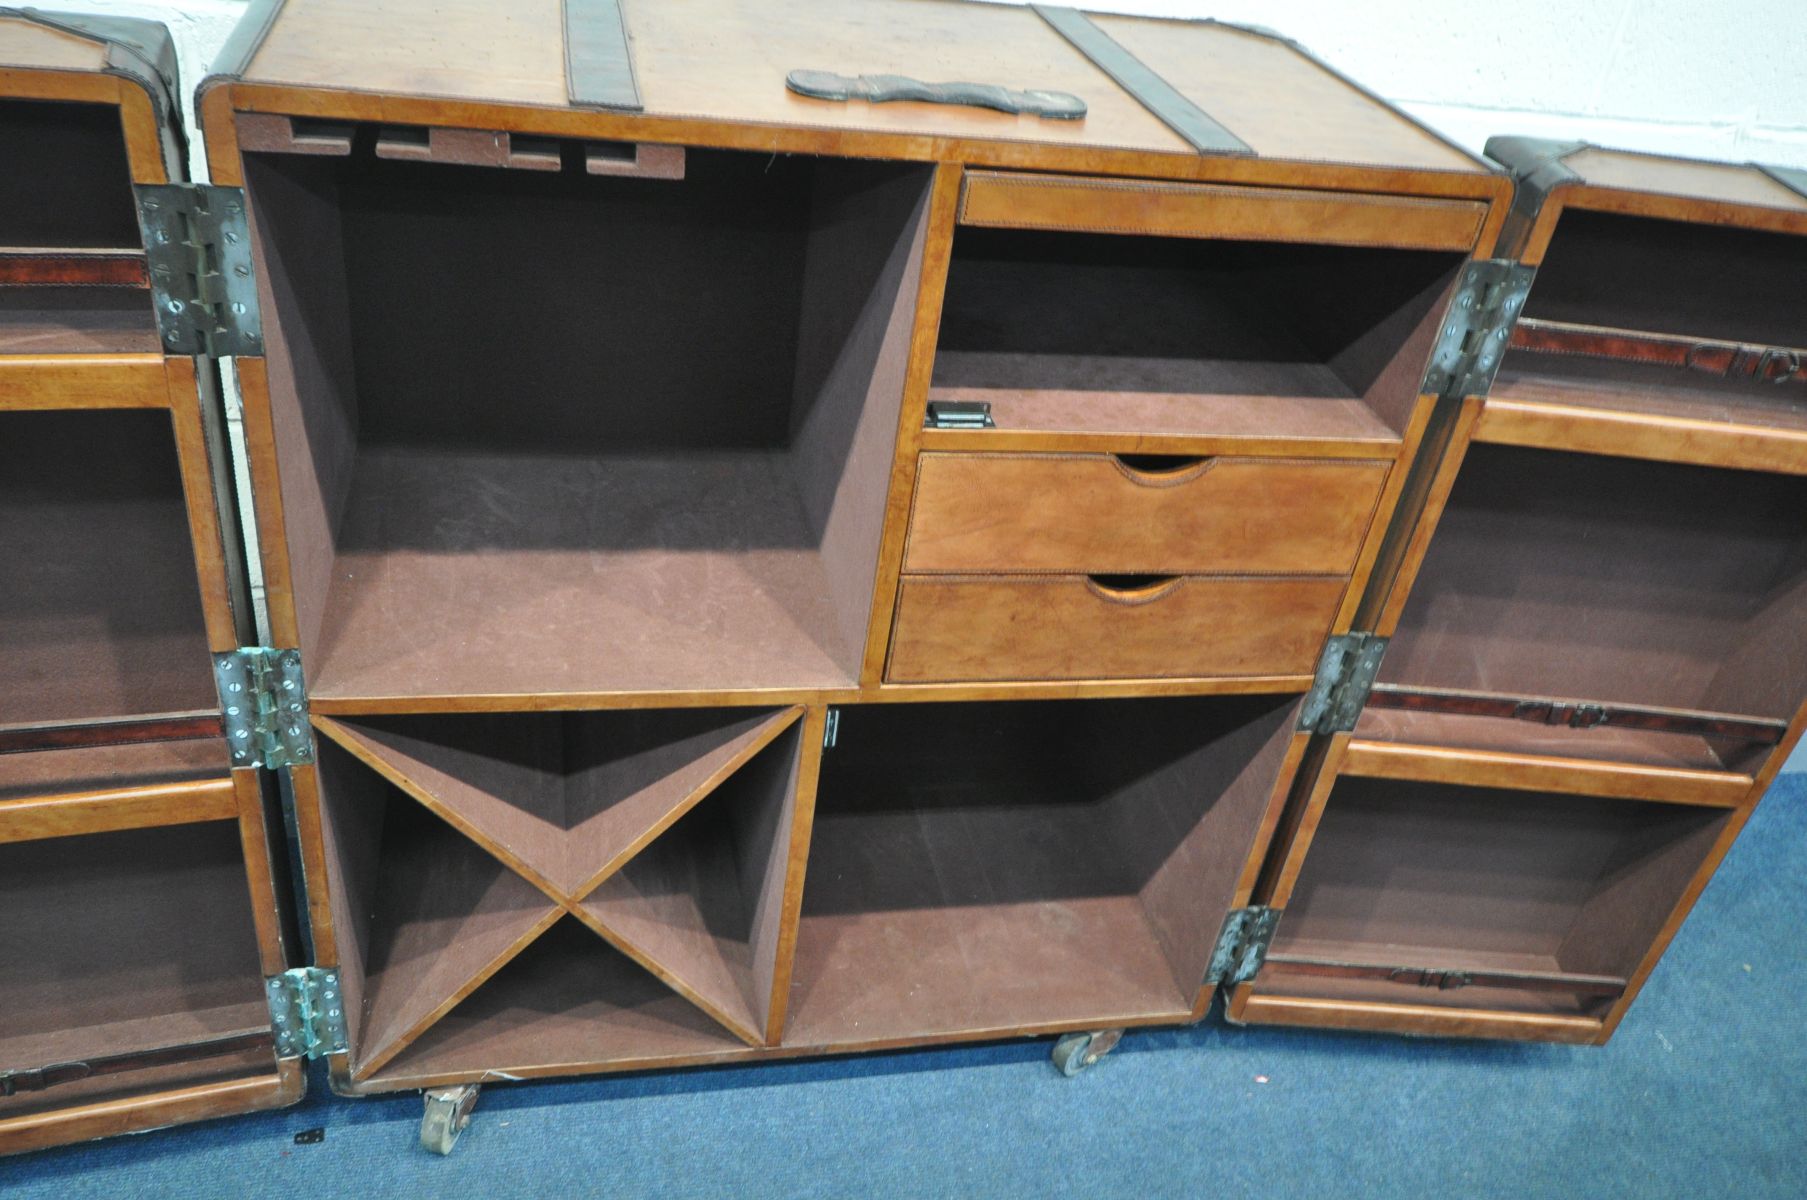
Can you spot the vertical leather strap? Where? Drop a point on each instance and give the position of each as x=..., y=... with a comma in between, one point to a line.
x=599, y=59
x=1155, y=94
x=241, y=47
x=1792, y=178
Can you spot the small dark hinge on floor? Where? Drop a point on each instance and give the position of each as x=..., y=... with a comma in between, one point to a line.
x=198, y=253
x=307, y=1012
x=1345, y=676
x=263, y=701
x=831, y=728
x=1472, y=343
x=960, y=414
x=1242, y=944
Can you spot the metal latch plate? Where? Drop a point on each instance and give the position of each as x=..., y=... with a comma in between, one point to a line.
x=960, y=414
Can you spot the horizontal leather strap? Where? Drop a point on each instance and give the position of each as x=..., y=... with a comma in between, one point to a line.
x=1726, y=360
x=75, y=735
x=38, y=1079
x=1577, y=714
x=1447, y=979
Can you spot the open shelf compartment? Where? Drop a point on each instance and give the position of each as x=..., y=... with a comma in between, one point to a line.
x=989, y=868
x=1065, y=332
x=71, y=257
x=652, y=459
x=656, y=841
x=1614, y=581
x=125, y=942
x=100, y=599
x=1483, y=898
x=1684, y=282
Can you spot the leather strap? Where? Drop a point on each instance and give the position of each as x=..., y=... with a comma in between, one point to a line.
x=1576, y=714
x=599, y=60
x=1722, y=359
x=173, y=727
x=1447, y=979
x=38, y=1079
x=1155, y=94
x=247, y=36
x=63, y=268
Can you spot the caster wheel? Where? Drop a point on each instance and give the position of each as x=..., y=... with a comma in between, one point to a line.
x=1074, y=1052
x=448, y=1111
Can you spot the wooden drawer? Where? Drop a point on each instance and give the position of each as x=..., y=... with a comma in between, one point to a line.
x=1003, y=200
x=1101, y=513
x=967, y=628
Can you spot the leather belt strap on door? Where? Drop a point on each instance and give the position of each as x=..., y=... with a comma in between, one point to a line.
x=1725, y=360
x=75, y=735
x=1579, y=714
x=599, y=61
x=1154, y=93
x=38, y=1079
x=1443, y=980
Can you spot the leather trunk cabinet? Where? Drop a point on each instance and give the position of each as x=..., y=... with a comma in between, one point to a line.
x=138, y=917
x=1592, y=674
x=693, y=677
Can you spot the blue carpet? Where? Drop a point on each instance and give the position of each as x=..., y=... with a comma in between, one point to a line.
x=1703, y=1093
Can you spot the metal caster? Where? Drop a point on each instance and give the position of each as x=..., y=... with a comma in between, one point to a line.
x=1074, y=1052
x=448, y=1112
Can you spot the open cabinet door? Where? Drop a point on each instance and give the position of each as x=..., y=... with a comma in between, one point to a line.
x=139, y=915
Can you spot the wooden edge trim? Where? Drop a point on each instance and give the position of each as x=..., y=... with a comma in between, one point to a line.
x=937, y=253
x=144, y=140
x=1369, y=567
x=1421, y=507
x=199, y=495
x=1673, y=923
x=267, y=517
x=553, y=121
x=1164, y=102
x=1000, y=200
x=316, y=878
x=803, y=819
x=1698, y=210
x=33, y=818
x=153, y=1110
x=1545, y=426
x=260, y=875
x=1545, y=773
x=769, y=732
x=372, y=1062
x=380, y=1083
x=343, y=738
x=1304, y=826
x=741, y=1029
x=1039, y=441
x=219, y=132
x=1257, y=1009
x=42, y=382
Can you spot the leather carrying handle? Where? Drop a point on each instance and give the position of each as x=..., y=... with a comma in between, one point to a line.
x=878, y=89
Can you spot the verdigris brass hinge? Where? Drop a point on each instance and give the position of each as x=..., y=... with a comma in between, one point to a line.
x=1345, y=676
x=198, y=254
x=1242, y=944
x=1477, y=328
x=263, y=702
x=307, y=1012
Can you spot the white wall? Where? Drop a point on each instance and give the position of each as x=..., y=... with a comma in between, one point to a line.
x=1711, y=78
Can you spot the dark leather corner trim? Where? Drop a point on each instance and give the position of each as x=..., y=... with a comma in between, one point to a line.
x=1155, y=94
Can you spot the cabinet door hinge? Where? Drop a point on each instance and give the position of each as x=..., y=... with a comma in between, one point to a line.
x=198, y=254
x=1242, y=944
x=1345, y=676
x=307, y=1012
x=1477, y=328
x=263, y=702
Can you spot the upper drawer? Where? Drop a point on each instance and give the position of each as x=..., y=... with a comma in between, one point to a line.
x=1061, y=202
x=1103, y=514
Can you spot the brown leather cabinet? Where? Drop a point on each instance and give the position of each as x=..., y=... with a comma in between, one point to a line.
x=763, y=574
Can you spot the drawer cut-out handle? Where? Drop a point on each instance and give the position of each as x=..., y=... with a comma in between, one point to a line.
x=1161, y=470
x=1132, y=589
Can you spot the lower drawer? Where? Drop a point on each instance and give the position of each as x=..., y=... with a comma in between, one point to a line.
x=971, y=628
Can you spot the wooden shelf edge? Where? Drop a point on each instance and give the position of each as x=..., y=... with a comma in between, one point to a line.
x=68, y=814
x=1421, y=1019
x=153, y=1110
x=1546, y=773
x=1219, y=445
x=60, y=382
x=1578, y=428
